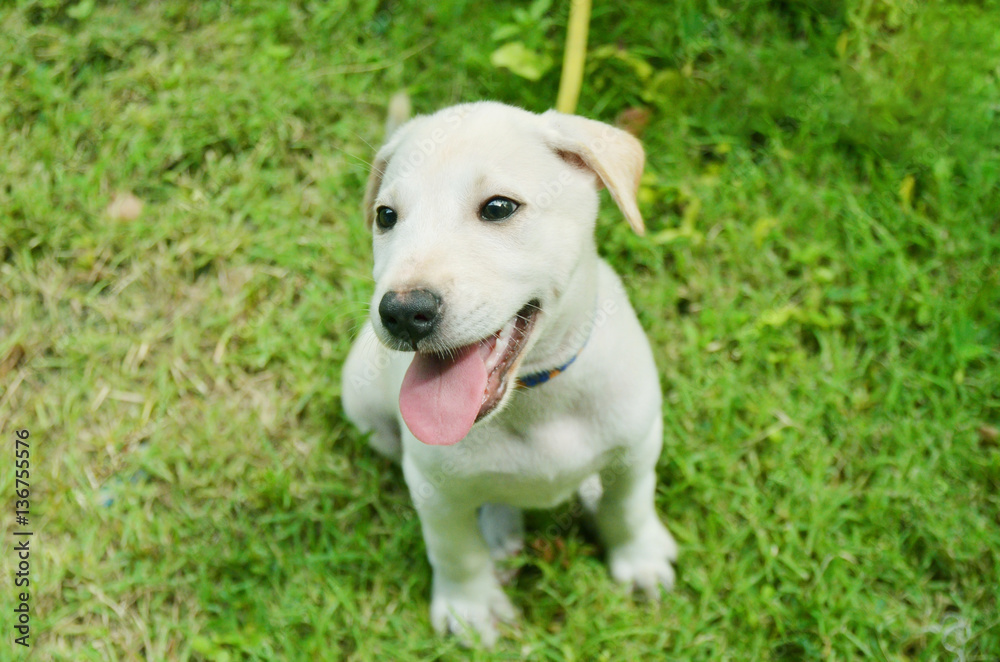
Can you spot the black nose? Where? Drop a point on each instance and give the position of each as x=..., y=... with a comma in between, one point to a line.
x=410, y=316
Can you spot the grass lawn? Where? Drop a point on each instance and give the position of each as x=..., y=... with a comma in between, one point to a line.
x=820, y=282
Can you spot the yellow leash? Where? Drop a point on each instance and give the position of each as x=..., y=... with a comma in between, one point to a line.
x=574, y=57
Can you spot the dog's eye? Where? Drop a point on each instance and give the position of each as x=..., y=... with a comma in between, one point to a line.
x=497, y=209
x=385, y=217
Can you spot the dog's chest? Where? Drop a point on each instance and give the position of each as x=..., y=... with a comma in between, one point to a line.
x=535, y=467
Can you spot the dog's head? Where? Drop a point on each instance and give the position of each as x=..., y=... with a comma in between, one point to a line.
x=482, y=216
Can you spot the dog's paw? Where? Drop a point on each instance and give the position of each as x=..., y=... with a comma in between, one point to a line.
x=471, y=615
x=644, y=563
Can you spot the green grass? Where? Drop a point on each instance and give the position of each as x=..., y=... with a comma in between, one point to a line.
x=821, y=283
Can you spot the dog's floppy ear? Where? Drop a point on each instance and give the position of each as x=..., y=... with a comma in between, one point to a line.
x=399, y=113
x=612, y=154
x=379, y=165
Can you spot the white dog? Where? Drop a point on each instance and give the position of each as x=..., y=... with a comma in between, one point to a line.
x=503, y=365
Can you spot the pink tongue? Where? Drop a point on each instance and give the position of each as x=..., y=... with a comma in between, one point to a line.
x=441, y=398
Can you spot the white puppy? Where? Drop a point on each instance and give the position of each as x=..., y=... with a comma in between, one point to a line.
x=503, y=365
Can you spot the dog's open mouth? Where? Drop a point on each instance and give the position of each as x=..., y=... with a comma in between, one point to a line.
x=443, y=395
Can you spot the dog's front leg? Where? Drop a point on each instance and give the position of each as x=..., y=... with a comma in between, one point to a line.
x=640, y=549
x=467, y=598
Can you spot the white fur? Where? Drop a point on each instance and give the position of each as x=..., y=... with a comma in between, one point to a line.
x=599, y=418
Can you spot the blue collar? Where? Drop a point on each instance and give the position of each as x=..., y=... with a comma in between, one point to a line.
x=542, y=376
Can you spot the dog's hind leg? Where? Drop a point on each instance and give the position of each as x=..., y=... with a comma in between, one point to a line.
x=590, y=493
x=502, y=527
x=385, y=439
x=640, y=549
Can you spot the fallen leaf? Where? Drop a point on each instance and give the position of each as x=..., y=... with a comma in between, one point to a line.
x=124, y=207
x=633, y=120
x=988, y=434
x=15, y=355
